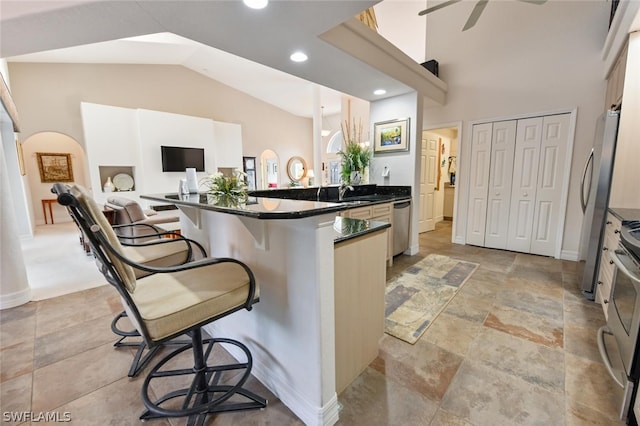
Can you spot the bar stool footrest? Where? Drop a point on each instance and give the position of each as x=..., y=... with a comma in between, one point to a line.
x=210, y=390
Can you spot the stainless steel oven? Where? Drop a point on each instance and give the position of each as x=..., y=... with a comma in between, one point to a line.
x=623, y=323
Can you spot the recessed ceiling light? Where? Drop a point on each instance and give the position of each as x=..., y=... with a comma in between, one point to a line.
x=256, y=4
x=298, y=57
x=379, y=92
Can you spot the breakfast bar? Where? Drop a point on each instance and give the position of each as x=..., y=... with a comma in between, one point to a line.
x=302, y=332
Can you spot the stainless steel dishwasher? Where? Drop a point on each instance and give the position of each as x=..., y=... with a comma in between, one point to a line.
x=401, y=221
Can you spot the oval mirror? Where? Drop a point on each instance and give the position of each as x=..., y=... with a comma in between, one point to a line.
x=296, y=168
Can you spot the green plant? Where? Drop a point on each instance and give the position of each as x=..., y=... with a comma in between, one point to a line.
x=226, y=186
x=354, y=155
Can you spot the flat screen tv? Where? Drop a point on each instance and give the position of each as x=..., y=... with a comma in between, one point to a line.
x=177, y=158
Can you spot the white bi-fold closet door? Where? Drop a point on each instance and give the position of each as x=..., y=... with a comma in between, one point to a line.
x=516, y=183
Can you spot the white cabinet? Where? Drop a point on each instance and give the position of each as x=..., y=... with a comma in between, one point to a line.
x=615, y=81
x=228, y=145
x=449, y=195
x=626, y=173
x=605, y=271
x=517, y=181
x=359, y=282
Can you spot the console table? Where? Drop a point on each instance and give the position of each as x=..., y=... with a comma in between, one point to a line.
x=47, y=203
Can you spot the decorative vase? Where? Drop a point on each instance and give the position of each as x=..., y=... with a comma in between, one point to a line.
x=365, y=176
x=356, y=177
x=109, y=186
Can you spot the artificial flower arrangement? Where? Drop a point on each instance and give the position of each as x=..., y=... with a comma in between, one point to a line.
x=355, y=156
x=233, y=188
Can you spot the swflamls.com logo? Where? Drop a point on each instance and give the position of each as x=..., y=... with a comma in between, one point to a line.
x=30, y=416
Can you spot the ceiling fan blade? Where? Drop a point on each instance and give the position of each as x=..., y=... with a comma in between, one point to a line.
x=534, y=1
x=475, y=14
x=437, y=7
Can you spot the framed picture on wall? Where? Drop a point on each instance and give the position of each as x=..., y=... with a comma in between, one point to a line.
x=391, y=136
x=55, y=167
x=249, y=166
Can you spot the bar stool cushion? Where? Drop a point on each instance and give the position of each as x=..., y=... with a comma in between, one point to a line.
x=165, y=306
x=157, y=255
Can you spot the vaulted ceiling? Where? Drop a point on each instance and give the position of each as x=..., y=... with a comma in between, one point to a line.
x=241, y=47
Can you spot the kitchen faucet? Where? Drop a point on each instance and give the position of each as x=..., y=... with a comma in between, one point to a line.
x=343, y=189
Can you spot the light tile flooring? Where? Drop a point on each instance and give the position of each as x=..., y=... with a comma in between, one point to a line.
x=515, y=346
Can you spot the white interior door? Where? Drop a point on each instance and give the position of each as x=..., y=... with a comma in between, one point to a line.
x=553, y=151
x=503, y=144
x=478, y=183
x=525, y=175
x=428, y=173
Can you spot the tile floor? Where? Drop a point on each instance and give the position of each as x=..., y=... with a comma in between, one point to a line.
x=516, y=346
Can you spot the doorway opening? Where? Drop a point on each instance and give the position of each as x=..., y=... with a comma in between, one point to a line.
x=38, y=187
x=438, y=176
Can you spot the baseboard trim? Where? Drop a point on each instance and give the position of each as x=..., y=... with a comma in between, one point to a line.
x=15, y=299
x=569, y=255
x=308, y=413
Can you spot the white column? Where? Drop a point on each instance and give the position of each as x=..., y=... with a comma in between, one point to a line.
x=14, y=286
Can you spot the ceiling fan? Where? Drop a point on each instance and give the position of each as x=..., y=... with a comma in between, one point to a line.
x=475, y=13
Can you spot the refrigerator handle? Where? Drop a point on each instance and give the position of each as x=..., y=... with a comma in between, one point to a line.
x=583, y=203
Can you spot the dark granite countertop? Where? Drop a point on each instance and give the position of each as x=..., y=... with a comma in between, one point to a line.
x=360, y=195
x=625, y=214
x=256, y=207
x=347, y=228
x=277, y=208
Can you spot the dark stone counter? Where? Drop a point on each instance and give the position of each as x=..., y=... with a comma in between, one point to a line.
x=625, y=214
x=255, y=207
x=347, y=228
x=370, y=192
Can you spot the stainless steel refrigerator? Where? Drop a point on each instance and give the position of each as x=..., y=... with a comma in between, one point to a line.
x=595, y=187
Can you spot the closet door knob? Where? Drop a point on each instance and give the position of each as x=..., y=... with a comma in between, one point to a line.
x=526, y=194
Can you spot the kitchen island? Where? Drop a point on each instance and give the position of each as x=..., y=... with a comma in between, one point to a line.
x=291, y=332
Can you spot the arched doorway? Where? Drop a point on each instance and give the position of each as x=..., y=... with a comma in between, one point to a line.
x=270, y=170
x=58, y=152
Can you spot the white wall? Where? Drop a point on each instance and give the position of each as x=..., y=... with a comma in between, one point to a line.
x=521, y=58
x=399, y=172
x=117, y=136
x=404, y=166
x=398, y=22
x=48, y=97
x=161, y=128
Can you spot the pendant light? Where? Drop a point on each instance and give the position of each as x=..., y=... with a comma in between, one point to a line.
x=324, y=132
